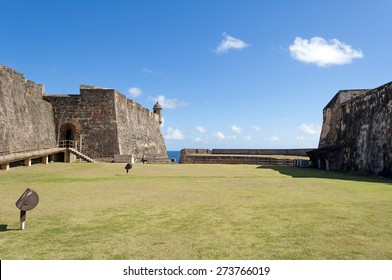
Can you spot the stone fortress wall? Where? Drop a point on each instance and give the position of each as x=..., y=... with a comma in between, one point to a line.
x=88, y=118
x=26, y=120
x=147, y=139
x=332, y=114
x=98, y=119
x=105, y=120
x=357, y=132
x=243, y=156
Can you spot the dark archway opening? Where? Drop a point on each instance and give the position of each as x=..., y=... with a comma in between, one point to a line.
x=67, y=134
x=68, y=137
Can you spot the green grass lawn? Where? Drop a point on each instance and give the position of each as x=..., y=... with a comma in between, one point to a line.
x=96, y=211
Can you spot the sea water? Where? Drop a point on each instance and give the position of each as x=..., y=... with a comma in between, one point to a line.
x=174, y=155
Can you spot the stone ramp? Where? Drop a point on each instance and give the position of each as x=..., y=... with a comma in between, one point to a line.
x=17, y=156
x=43, y=154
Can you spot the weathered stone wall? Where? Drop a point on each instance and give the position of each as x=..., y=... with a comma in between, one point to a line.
x=332, y=114
x=26, y=121
x=89, y=117
x=241, y=156
x=357, y=132
x=105, y=121
x=366, y=132
x=186, y=154
x=138, y=131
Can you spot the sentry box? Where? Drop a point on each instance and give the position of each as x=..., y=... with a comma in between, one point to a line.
x=26, y=202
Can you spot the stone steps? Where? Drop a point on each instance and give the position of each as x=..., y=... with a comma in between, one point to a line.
x=81, y=155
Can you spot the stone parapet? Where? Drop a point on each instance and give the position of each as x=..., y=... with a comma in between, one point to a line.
x=287, y=152
x=242, y=156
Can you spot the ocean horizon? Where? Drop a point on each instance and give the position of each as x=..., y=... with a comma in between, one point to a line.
x=174, y=155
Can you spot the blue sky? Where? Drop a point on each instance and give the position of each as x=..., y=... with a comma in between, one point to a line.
x=229, y=74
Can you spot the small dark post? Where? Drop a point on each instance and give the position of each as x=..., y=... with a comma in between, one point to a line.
x=128, y=166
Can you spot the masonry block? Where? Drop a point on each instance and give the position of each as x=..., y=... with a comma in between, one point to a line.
x=5, y=166
x=27, y=162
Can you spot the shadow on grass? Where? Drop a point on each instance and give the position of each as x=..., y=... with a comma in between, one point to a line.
x=296, y=172
x=5, y=228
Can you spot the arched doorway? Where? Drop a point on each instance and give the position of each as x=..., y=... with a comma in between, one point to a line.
x=67, y=135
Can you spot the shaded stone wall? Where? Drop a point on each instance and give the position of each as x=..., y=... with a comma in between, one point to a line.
x=26, y=121
x=357, y=132
x=366, y=132
x=332, y=114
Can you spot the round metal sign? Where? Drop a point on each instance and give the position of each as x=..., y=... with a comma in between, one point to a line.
x=28, y=200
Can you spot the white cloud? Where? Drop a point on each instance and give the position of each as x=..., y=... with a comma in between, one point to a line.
x=256, y=128
x=163, y=121
x=174, y=134
x=135, y=91
x=229, y=43
x=309, y=128
x=260, y=128
x=301, y=138
x=220, y=135
x=168, y=103
x=247, y=138
x=148, y=70
x=201, y=139
x=201, y=129
x=321, y=52
x=151, y=71
x=236, y=129
x=274, y=139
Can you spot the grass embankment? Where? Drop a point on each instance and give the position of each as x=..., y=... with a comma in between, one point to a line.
x=96, y=211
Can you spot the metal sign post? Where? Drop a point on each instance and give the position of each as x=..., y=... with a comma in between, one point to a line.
x=28, y=201
x=22, y=219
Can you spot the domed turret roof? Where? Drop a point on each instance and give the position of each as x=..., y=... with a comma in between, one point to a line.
x=157, y=106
